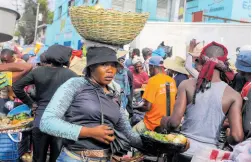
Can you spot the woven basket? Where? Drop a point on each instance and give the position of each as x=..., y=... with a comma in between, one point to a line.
x=156, y=147
x=107, y=26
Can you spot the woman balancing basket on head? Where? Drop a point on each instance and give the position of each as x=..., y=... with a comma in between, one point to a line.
x=86, y=111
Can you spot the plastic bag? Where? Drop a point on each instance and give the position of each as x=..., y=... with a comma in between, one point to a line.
x=211, y=155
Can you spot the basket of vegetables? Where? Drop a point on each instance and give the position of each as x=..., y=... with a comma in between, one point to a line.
x=17, y=122
x=156, y=143
x=107, y=26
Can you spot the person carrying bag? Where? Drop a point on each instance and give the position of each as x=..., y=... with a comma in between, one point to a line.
x=86, y=112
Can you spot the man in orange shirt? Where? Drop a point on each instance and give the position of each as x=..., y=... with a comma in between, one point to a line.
x=154, y=103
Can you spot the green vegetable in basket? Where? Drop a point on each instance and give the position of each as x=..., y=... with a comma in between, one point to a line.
x=157, y=136
x=21, y=116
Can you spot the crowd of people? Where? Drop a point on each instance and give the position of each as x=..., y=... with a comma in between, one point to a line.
x=77, y=118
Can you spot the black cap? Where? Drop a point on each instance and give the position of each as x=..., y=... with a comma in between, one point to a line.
x=96, y=55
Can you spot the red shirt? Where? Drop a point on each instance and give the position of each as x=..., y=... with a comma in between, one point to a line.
x=245, y=89
x=139, y=78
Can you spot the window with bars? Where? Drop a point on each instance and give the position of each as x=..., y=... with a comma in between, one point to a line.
x=162, y=9
x=59, y=12
x=70, y=4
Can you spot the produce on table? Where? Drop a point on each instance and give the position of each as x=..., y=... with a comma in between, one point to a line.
x=20, y=116
x=171, y=138
x=16, y=120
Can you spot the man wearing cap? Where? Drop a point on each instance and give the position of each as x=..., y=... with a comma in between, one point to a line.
x=243, y=65
x=154, y=103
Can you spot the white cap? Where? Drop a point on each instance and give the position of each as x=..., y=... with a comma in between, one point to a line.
x=136, y=59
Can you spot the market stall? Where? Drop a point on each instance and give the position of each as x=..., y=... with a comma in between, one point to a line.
x=14, y=133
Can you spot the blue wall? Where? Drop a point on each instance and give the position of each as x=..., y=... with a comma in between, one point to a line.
x=220, y=8
x=191, y=7
x=62, y=31
x=231, y=9
x=147, y=6
x=242, y=10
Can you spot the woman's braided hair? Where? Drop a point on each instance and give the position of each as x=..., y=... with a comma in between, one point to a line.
x=212, y=52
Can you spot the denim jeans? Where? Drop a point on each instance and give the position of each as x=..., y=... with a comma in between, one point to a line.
x=67, y=156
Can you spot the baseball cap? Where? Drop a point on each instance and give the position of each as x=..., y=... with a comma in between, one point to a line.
x=156, y=61
x=243, y=61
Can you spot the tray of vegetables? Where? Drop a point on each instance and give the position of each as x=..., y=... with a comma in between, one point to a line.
x=156, y=143
x=18, y=121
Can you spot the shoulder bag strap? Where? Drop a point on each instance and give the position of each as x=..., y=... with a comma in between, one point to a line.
x=102, y=115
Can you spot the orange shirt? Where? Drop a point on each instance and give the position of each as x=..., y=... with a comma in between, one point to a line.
x=155, y=93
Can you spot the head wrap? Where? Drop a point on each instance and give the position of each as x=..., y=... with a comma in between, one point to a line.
x=136, y=60
x=209, y=64
x=58, y=54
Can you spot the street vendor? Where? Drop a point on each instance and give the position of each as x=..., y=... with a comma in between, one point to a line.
x=155, y=96
x=204, y=102
x=46, y=79
x=85, y=111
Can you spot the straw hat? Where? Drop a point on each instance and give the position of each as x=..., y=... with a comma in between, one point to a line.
x=177, y=65
x=197, y=50
x=121, y=53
